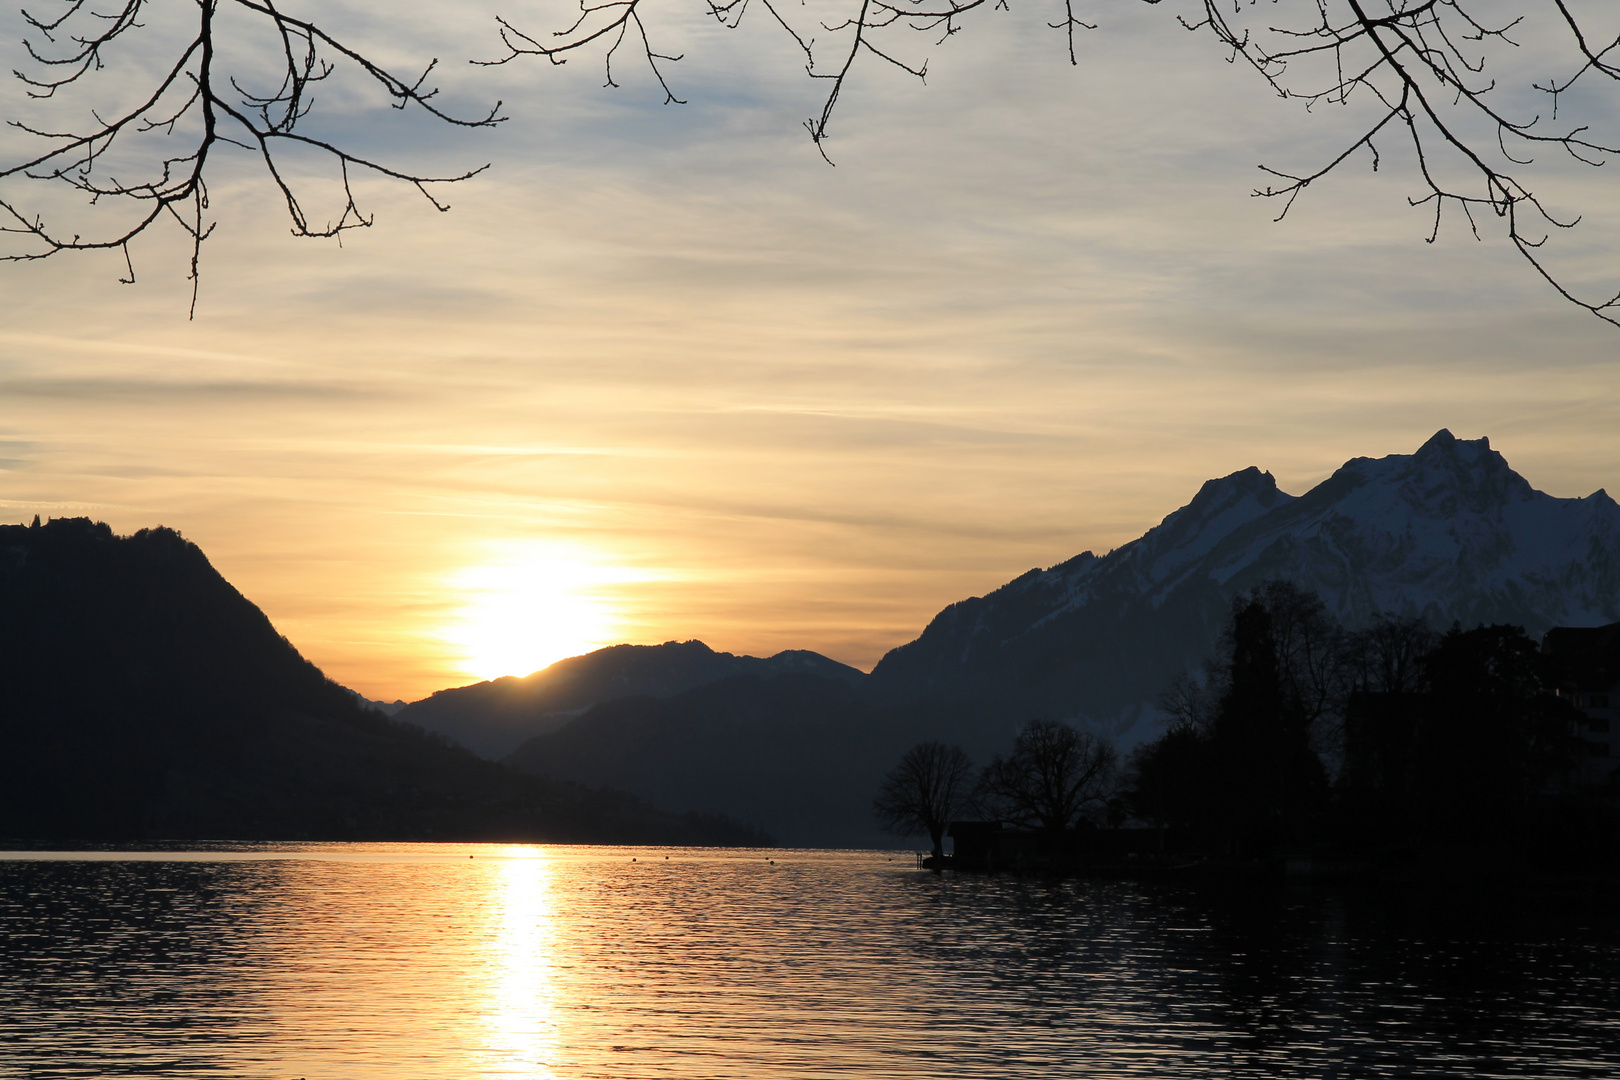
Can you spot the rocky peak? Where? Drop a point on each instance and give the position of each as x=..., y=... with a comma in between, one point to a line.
x=1449, y=532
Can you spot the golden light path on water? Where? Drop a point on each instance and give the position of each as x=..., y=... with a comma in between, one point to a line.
x=522, y=1022
x=515, y=962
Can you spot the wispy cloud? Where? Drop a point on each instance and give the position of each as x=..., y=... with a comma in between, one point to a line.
x=1030, y=310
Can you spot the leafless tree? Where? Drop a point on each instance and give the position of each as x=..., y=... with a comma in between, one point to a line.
x=1316, y=666
x=924, y=792
x=1189, y=702
x=196, y=101
x=1310, y=647
x=1387, y=657
x=1426, y=68
x=1055, y=776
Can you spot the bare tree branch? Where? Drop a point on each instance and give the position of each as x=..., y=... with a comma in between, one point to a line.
x=1424, y=62
x=195, y=103
x=1424, y=66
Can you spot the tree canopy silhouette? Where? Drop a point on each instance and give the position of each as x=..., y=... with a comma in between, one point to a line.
x=1267, y=780
x=1056, y=777
x=1450, y=747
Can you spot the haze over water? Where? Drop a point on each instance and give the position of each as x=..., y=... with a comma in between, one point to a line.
x=395, y=961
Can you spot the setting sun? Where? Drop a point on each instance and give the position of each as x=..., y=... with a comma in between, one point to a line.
x=531, y=608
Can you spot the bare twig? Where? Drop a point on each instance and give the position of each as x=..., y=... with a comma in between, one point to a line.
x=194, y=102
x=1422, y=62
x=1425, y=63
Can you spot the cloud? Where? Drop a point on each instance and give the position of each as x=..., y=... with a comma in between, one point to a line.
x=1028, y=312
x=170, y=391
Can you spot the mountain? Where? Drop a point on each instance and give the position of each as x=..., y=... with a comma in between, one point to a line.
x=493, y=718
x=387, y=708
x=142, y=697
x=798, y=755
x=771, y=750
x=1449, y=533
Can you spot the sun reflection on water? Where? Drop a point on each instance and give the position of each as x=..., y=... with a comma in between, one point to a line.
x=520, y=962
x=521, y=1021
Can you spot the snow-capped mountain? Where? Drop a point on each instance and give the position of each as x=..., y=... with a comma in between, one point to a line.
x=1450, y=533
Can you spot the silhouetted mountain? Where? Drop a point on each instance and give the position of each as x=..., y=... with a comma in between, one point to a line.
x=799, y=755
x=387, y=708
x=493, y=718
x=1450, y=533
x=141, y=696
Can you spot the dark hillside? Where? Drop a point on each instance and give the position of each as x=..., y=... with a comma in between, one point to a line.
x=800, y=755
x=141, y=696
x=493, y=718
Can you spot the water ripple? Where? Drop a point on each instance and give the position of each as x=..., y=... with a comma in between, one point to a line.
x=409, y=961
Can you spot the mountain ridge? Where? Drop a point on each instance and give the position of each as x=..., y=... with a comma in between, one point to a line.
x=144, y=697
x=1448, y=533
x=493, y=718
x=795, y=741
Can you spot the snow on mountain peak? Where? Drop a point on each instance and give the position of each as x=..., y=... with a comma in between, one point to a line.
x=1221, y=506
x=1449, y=533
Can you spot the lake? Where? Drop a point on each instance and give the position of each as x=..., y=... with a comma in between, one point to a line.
x=340, y=961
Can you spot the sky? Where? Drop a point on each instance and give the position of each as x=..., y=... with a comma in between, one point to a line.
x=663, y=373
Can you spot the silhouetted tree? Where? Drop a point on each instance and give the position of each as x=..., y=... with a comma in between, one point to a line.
x=1168, y=784
x=1377, y=787
x=1310, y=648
x=1267, y=781
x=1191, y=702
x=924, y=792
x=1311, y=656
x=1387, y=657
x=1494, y=734
x=1451, y=745
x=1055, y=777
x=1468, y=748
x=1385, y=706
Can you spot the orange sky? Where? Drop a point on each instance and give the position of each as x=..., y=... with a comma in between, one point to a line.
x=664, y=374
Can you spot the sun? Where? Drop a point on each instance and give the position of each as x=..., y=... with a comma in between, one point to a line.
x=527, y=608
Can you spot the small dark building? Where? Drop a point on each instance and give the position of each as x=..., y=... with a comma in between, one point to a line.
x=996, y=846
x=989, y=846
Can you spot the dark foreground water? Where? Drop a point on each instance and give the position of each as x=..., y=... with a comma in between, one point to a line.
x=415, y=961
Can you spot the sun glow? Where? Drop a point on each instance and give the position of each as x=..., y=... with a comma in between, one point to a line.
x=530, y=608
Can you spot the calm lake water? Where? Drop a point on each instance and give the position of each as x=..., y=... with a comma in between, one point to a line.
x=397, y=961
